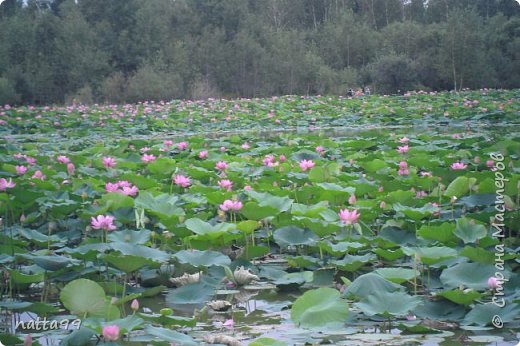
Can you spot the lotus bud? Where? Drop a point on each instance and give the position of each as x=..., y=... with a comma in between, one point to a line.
x=382, y=205
x=22, y=218
x=135, y=305
x=88, y=229
x=52, y=226
x=476, y=159
x=167, y=235
x=181, y=219
x=114, y=300
x=453, y=199
x=28, y=340
x=492, y=282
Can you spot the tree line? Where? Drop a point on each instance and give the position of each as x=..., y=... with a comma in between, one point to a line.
x=84, y=51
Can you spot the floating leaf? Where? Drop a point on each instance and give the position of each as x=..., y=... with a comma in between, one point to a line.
x=469, y=231
x=320, y=308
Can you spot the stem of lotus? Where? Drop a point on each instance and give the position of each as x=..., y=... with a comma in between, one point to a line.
x=321, y=252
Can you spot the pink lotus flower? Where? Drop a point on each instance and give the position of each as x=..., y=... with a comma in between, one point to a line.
x=320, y=150
x=493, y=282
x=403, y=168
x=226, y=184
x=282, y=158
x=403, y=172
x=404, y=140
x=6, y=184
x=110, y=187
x=130, y=191
x=489, y=163
x=109, y=162
x=426, y=174
x=247, y=187
x=245, y=146
x=144, y=150
x=352, y=199
x=382, y=205
x=420, y=194
x=403, y=150
x=221, y=165
x=70, y=168
x=458, y=166
x=103, y=222
x=147, y=158
x=63, y=159
x=269, y=160
x=182, y=180
x=306, y=164
x=349, y=217
x=203, y=154
x=38, y=175
x=111, y=333
x=223, y=149
x=135, y=305
x=30, y=160
x=21, y=170
x=182, y=145
x=230, y=205
x=228, y=324
x=168, y=143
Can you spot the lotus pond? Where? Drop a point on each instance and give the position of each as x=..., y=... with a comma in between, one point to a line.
x=282, y=221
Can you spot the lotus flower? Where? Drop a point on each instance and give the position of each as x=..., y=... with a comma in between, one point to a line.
x=147, y=158
x=70, y=168
x=404, y=140
x=247, y=187
x=63, y=159
x=230, y=205
x=352, y=199
x=103, y=222
x=168, y=143
x=245, y=146
x=403, y=150
x=182, y=180
x=182, y=145
x=226, y=184
x=349, y=217
x=489, y=163
x=38, y=175
x=30, y=160
x=109, y=162
x=203, y=154
x=282, y=158
x=306, y=164
x=269, y=160
x=458, y=166
x=221, y=165
x=6, y=184
x=228, y=324
x=21, y=170
x=111, y=333
x=320, y=150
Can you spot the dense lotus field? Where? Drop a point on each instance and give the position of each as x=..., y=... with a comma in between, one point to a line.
x=284, y=221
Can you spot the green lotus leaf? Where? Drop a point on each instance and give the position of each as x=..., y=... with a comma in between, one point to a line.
x=320, y=308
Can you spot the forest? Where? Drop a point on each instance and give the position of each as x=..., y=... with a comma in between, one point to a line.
x=99, y=51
